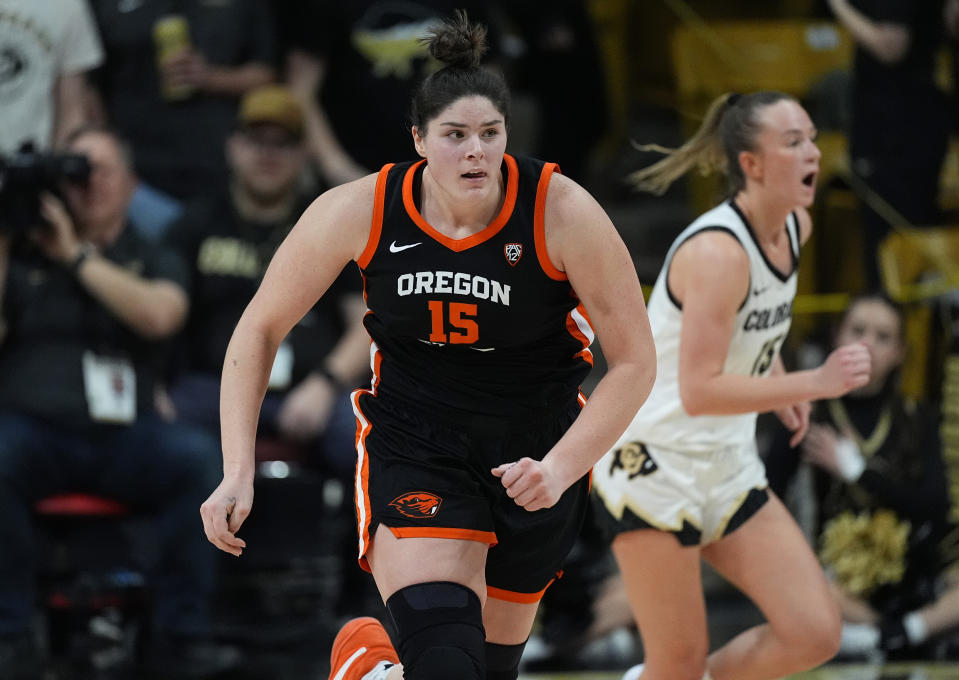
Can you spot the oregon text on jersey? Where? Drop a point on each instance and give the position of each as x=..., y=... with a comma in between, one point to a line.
x=452, y=283
x=476, y=324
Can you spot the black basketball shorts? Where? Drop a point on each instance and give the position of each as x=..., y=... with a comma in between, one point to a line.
x=421, y=476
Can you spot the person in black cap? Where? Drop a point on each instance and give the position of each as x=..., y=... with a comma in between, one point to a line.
x=229, y=241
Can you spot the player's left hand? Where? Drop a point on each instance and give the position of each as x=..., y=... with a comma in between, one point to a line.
x=530, y=483
x=796, y=420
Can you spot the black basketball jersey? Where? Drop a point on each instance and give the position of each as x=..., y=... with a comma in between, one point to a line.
x=482, y=325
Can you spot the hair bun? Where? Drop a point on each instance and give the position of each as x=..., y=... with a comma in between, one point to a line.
x=457, y=43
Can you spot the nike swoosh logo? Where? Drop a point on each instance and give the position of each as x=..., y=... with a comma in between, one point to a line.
x=395, y=248
x=760, y=291
x=125, y=6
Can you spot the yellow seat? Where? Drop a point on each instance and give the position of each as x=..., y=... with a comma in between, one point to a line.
x=741, y=56
x=916, y=265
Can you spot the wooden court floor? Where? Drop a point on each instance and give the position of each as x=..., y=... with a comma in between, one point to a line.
x=831, y=672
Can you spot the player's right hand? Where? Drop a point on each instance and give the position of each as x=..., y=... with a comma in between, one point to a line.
x=845, y=369
x=223, y=514
x=530, y=483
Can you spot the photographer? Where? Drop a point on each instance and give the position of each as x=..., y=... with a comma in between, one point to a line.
x=85, y=305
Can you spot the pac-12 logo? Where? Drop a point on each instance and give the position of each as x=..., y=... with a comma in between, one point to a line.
x=513, y=252
x=417, y=504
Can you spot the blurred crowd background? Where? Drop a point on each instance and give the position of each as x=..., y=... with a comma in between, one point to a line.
x=154, y=153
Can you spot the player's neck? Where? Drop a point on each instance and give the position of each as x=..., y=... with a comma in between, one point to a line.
x=455, y=217
x=765, y=217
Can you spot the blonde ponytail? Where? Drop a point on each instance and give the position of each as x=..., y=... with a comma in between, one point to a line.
x=730, y=127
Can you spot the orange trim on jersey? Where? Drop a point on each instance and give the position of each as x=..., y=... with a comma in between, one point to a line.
x=376, y=227
x=362, y=480
x=446, y=532
x=585, y=354
x=539, y=224
x=460, y=244
x=519, y=598
x=362, y=475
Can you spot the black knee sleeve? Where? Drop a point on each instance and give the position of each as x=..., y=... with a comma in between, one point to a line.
x=502, y=661
x=439, y=631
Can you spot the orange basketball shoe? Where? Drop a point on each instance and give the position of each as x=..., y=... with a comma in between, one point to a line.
x=359, y=647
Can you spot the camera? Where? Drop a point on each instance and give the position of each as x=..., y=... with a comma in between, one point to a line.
x=26, y=174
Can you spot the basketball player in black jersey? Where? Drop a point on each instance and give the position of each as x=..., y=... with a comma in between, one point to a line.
x=484, y=276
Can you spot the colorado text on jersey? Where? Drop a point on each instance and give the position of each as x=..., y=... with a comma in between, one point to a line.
x=761, y=319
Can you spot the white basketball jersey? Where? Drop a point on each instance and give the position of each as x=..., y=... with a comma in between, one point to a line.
x=761, y=326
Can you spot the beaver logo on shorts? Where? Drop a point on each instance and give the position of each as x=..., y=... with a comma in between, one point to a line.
x=417, y=504
x=634, y=459
x=513, y=252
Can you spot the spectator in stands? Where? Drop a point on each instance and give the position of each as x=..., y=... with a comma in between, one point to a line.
x=177, y=108
x=900, y=120
x=46, y=50
x=883, y=529
x=85, y=305
x=354, y=66
x=560, y=56
x=229, y=241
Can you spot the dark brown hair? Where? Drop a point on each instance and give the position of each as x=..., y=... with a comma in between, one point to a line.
x=459, y=45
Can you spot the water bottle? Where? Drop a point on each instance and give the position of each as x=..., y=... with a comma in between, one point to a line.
x=171, y=34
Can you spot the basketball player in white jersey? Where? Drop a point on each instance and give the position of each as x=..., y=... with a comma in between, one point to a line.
x=685, y=482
